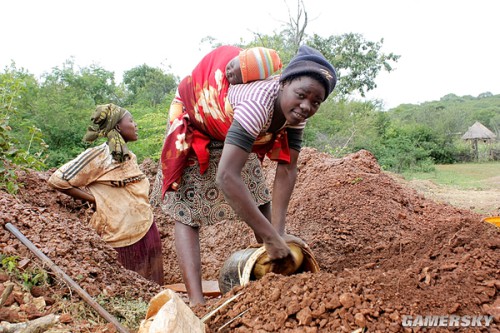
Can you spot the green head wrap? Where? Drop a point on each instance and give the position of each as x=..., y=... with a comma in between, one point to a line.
x=104, y=121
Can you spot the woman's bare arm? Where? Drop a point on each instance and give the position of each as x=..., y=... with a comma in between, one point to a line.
x=238, y=196
x=77, y=193
x=284, y=183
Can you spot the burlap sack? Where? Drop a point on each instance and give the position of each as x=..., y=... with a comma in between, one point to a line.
x=167, y=313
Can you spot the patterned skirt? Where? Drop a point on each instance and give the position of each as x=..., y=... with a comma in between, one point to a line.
x=198, y=201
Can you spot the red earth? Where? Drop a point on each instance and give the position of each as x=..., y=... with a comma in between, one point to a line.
x=383, y=249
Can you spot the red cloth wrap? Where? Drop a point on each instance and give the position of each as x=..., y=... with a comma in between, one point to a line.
x=204, y=117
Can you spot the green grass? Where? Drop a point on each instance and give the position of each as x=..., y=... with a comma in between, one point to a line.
x=464, y=176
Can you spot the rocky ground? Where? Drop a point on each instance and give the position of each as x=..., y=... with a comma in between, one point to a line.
x=384, y=251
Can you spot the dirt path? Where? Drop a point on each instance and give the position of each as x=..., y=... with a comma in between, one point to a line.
x=485, y=202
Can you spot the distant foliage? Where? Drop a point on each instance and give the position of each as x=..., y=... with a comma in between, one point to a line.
x=409, y=137
x=21, y=141
x=67, y=98
x=148, y=86
x=60, y=105
x=152, y=124
x=357, y=61
x=452, y=114
x=43, y=120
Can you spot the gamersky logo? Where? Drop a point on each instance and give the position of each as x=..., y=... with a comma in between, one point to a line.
x=447, y=321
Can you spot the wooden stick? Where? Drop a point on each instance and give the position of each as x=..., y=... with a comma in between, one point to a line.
x=37, y=325
x=211, y=313
x=6, y=293
x=87, y=298
x=233, y=319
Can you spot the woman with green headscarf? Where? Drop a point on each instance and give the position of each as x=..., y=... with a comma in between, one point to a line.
x=108, y=176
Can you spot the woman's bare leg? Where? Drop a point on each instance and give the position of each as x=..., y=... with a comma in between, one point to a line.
x=187, y=245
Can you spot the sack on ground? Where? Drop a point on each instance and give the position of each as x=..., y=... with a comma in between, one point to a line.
x=168, y=313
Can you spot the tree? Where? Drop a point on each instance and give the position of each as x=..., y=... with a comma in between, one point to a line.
x=357, y=61
x=20, y=143
x=93, y=82
x=485, y=94
x=64, y=104
x=148, y=85
x=340, y=125
x=294, y=32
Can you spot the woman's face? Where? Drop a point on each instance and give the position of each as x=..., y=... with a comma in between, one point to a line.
x=300, y=99
x=127, y=128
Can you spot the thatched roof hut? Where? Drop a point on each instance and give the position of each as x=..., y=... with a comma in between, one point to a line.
x=478, y=132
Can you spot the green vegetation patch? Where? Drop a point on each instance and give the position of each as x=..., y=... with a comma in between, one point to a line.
x=465, y=176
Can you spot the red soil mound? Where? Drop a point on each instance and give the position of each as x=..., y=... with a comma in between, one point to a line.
x=384, y=252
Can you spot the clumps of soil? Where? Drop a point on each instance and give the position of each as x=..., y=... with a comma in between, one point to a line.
x=384, y=251
x=57, y=226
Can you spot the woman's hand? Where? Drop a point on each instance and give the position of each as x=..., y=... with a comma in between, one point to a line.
x=277, y=248
x=293, y=239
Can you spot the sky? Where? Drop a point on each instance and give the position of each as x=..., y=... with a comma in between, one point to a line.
x=446, y=46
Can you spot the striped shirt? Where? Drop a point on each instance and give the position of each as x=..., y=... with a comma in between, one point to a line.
x=253, y=105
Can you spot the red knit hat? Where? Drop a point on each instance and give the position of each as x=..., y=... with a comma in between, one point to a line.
x=258, y=63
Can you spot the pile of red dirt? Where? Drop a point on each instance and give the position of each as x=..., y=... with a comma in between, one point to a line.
x=384, y=252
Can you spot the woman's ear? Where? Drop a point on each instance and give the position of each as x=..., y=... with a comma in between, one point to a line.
x=117, y=128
